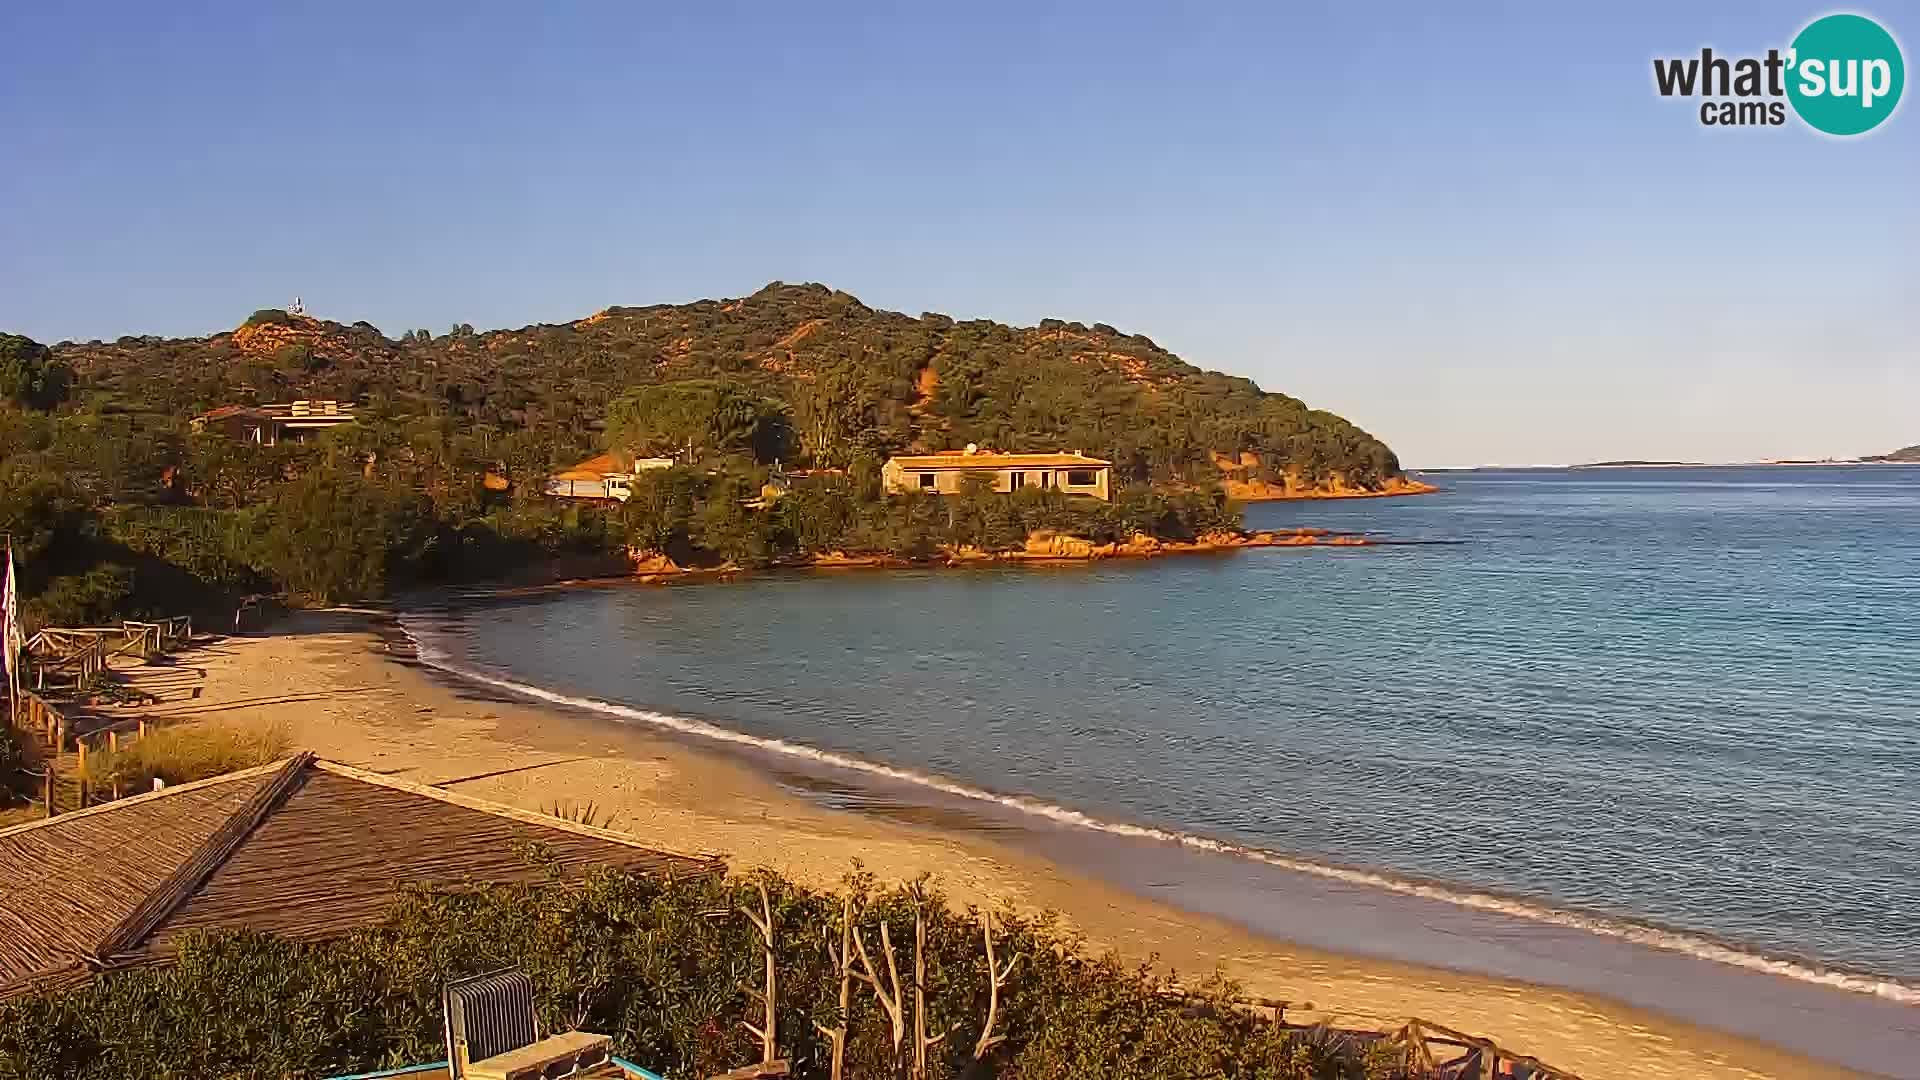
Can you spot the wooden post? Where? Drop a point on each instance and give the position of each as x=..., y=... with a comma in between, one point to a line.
x=142, y=732
x=113, y=741
x=49, y=789
x=81, y=742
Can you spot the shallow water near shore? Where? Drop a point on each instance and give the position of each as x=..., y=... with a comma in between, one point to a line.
x=1639, y=719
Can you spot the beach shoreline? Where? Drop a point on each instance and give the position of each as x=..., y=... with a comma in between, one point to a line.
x=345, y=687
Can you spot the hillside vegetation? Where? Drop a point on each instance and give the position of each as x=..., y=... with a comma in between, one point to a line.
x=854, y=380
x=116, y=508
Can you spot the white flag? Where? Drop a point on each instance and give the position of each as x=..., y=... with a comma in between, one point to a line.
x=10, y=637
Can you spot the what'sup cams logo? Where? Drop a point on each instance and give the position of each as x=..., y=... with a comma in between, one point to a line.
x=1842, y=75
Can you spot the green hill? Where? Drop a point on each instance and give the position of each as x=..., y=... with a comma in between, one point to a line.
x=855, y=380
x=117, y=508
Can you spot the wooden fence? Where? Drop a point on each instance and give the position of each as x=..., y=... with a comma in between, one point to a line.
x=73, y=659
x=1445, y=1054
x=83, y=654
x=38, y=716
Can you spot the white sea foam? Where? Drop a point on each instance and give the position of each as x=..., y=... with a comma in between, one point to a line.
x=1670, y=940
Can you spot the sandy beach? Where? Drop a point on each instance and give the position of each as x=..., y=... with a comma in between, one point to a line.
x=331, y=681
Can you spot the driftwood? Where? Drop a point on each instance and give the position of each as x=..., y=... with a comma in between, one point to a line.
x=761, y=1071
x=996, y=976
x=843, y=963
x=763, y=922
x=770, y=1063
x=922, y=1042
x=888, y=996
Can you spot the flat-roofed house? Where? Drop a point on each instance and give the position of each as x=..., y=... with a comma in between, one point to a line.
x=269, y=425
x=942, y=474
x=601, y=477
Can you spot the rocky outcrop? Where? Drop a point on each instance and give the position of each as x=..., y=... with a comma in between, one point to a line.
x=652, y=562
x=1290, y=488
x=1243, y=479
x=302, y=333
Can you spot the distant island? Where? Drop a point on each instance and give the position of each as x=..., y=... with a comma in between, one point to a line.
x=1629, y=463
x=1904, y=455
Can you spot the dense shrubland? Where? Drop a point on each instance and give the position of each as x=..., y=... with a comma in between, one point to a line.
x=849, y=378
x=669, y=970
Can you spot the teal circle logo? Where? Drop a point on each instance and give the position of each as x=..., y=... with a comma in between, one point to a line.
x=1845, y=74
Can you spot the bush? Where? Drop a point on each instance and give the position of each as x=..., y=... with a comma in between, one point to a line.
x=333, y=536
x=85, y=599
x=213, y=547
x=664, y=968
x=29, y=375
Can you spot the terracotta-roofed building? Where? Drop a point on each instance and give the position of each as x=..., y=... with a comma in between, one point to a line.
x=941, y=474
x=303, y=848
x=601, y=477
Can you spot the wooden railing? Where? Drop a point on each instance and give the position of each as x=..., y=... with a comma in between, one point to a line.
x=40, y=716
x=83, y=664
x=72, y=659
x=84, y=653
x=1466, y=1057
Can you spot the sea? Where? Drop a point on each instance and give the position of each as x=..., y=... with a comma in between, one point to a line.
x=1652, y=733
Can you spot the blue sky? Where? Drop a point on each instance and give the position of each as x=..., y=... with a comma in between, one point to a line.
x=1478, y=233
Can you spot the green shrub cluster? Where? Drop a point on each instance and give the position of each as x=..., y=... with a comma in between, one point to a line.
x=685, y=515
x=666, y=969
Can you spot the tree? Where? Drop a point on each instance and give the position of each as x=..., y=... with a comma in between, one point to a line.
x=332, y=537
x=29, y=375
x=658, y=515
x=697, y=417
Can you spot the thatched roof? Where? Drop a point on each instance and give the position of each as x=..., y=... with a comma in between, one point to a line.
x=301, y=848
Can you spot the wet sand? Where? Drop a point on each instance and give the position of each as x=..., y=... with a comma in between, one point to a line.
x=324, y=677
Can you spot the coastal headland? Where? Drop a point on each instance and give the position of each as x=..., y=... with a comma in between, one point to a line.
x=343, y=684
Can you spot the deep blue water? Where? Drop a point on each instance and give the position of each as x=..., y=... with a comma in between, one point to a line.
x=1689, y=697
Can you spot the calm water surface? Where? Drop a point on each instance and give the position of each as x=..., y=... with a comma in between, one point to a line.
x=1687, y=697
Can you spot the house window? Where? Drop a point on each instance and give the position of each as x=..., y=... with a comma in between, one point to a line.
x=1016, y=481
x=926, y=481
x=1080, y=478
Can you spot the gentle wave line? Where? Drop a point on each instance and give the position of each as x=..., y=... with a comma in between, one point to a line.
x=1672, y=941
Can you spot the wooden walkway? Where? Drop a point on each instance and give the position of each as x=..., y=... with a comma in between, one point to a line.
x=76, y=685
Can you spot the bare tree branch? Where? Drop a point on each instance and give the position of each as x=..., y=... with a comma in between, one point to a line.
x=996, y=976
x=843, y=962
x=889, y=1002
x=766, y=1032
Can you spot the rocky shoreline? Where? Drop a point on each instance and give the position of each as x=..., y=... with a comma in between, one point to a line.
x=1264, y=491
x=1040, y=547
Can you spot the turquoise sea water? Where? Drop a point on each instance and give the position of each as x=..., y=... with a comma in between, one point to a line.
x=1686, y=699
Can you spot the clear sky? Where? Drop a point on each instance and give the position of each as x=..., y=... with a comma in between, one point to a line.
x=1478, y=233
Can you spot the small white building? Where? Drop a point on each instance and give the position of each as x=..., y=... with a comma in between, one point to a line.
x=601, y=477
